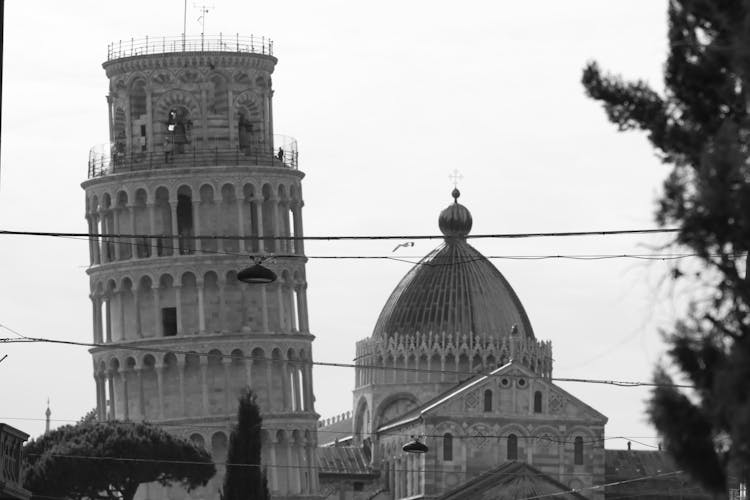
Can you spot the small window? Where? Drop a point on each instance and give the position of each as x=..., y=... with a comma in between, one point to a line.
x=538, y=402
x=512, y=447
x=578, y=451
x=169, y=321
x=488, y=400
x=505, y=382
x=447, y=447
x=359, y=486
x=521, y=382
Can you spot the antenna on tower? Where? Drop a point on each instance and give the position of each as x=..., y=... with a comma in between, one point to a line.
x=202, y=19
x=184, y=24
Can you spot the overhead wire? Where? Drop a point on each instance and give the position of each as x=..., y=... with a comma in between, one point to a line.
x=301, y=362
x=415, y=259
x=605, y=485
x=346, y=434
x=612, y=232
x=282, y=466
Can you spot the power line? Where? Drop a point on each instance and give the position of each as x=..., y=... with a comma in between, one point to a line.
x=342, y=237
x=279, y=466
x=606, y=485
x=345, y=434
x=618, y=383
x=415, y=258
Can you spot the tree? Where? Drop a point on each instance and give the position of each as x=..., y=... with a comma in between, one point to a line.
x=244, y=478
x=700, y=127
x=108, y=460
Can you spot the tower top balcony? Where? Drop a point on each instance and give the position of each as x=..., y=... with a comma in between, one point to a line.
x=178, y=44
x=106, y=160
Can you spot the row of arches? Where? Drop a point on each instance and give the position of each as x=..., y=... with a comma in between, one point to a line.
x=193, y=303
x=158, y=387
x=442, y=364
x=287, y=456
x=544, y=444
x=387, y=361
x=176, y=218
x=215, y=114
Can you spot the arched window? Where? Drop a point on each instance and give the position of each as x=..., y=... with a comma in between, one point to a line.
x=538, y=402
x=578, y=451
x=447, y=447
x=488, y=400
x=512, y=447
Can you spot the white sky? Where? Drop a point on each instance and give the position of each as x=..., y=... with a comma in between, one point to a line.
x=385, y=98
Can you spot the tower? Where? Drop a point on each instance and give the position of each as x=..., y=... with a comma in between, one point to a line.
x=193, y=159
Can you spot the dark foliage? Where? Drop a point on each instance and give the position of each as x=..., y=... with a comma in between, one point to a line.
x=245, y=480
x=700, y=127
x=107, y=460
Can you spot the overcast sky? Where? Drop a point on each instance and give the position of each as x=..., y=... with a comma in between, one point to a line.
x=385, y=98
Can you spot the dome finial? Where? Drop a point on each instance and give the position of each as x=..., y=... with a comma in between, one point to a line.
x=455, y=221
x=455, y=177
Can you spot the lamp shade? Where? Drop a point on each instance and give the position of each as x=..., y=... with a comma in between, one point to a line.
x=415, y=446
x=256, y=275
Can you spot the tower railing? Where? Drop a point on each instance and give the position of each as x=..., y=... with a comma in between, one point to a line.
x=105, y=160
x=203, y=43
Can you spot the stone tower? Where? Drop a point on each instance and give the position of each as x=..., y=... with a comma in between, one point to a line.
x=192, y=158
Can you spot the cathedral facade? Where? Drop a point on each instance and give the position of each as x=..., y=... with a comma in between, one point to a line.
x=453, y=363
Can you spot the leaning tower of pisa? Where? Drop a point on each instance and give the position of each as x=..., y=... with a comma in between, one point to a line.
x=193, y=162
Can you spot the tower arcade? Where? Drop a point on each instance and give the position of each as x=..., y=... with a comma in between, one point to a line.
x=193, y=160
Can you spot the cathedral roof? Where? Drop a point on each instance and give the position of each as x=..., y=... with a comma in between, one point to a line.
x=454, y=289
x=509, y=481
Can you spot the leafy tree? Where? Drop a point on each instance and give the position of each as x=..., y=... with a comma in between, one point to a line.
x=108, y=460
x=699, y=126
x=245, y=480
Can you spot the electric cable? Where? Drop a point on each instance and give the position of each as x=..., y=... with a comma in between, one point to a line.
x=612, y=232
x=302, y=362
x=277, y=466
x=410, y=259
x=606, y=485
x=223, y=426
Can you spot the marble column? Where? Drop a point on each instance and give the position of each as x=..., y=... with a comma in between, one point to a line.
x=201, y=308
x=259, y=215
x=158, y=327
x=299, y=244
x=137, y=303
x=197, y=225
x=97, y=318
x=178, y=306
x=133, y=239
x=175, y=229
x=111, y=388
x=95, y=240
x=204, y=384
x=160, y=389
x=116, y=229
x=108, y=311
x=181, y=375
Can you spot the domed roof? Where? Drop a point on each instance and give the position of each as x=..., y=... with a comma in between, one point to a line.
x=454, y=289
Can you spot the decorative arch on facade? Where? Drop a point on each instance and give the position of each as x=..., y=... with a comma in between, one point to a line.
x=247, y=111
x=392, y=406
x=362, y=418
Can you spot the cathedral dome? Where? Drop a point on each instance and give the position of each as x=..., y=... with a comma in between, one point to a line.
x=454, y=289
